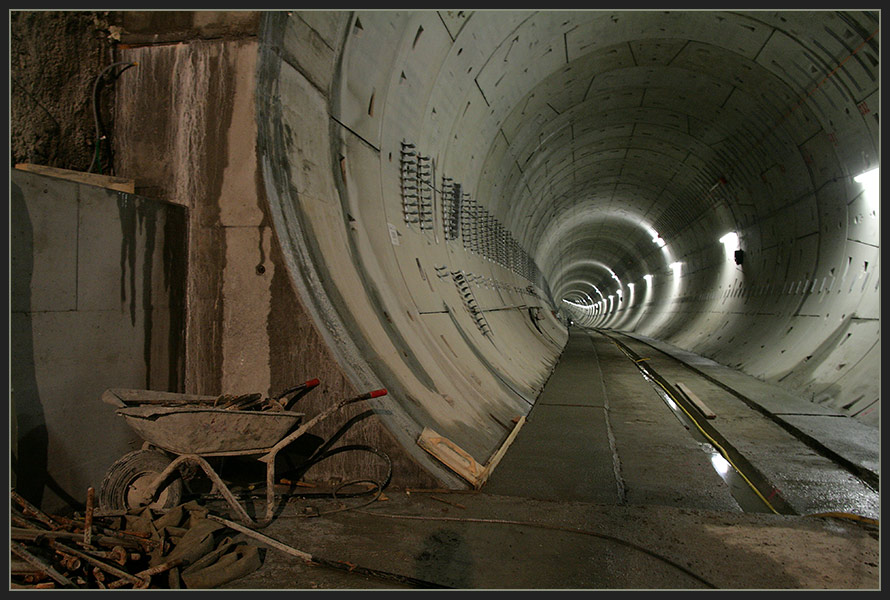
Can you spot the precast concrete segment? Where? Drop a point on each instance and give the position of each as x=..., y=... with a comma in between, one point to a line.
x=388, y=292
x=661, y=463
x=599, y=433
x=849, y=443
x=808, y=481
x=633, y=140
x=563, y=450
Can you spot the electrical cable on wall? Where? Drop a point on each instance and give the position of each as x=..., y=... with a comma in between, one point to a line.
x=97, y=159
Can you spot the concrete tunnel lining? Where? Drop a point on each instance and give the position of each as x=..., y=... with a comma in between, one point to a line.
x=691, y=124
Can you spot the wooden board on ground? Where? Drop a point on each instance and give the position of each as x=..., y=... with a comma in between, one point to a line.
x=696, y=401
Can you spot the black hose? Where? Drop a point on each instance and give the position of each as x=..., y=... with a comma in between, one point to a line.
x=596, y=534
x=349, y=448
x=96, y=119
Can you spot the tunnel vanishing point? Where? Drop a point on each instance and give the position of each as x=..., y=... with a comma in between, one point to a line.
x=452, y=188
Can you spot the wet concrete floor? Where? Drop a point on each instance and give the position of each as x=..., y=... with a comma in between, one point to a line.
x=607, y=487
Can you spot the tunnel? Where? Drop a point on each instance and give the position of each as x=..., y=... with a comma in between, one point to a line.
x=456, y=190
x=592, y=297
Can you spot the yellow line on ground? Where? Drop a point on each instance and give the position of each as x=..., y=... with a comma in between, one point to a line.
x=704, y=433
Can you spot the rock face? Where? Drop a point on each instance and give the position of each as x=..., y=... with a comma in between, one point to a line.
x=54, y=59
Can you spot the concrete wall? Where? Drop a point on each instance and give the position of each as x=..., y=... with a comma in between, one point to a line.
x=460, y=356
x=97, y=302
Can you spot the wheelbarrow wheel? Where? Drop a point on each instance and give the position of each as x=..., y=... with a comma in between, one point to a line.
x=128, y=479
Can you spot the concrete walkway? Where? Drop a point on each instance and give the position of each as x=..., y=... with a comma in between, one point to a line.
x=600, y=433
x=564, y=450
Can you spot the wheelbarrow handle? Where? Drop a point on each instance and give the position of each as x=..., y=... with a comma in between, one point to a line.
x=270, y=456
x=298, y=390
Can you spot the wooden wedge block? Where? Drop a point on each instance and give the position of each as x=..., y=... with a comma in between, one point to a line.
x=696, y=401
x=451, y=455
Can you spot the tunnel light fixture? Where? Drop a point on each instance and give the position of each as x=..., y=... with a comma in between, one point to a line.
x=656, y=238
x=868, y=178
x=631, y=286
x=730, y=243
x=648, y=278
x=676, y=267
x=871, y=184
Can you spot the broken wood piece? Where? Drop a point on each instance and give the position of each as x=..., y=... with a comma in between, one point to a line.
x=460, y=461
x=451, y=455
x=119, y=184
x=496, y=458
x=696, y=401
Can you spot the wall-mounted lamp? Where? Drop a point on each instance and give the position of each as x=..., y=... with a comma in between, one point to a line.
x=871, y=182
x=730, y=242
x=676, y=266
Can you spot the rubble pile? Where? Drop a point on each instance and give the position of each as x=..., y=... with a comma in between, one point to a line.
x=141, y=549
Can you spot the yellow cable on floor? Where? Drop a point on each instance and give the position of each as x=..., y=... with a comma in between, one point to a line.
x=723, y=452
x=844, y=515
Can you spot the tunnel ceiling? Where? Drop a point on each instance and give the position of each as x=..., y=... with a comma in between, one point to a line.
x=609, y=124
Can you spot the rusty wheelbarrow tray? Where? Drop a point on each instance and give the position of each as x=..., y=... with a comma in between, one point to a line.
x=192, y=428
x=207, y=430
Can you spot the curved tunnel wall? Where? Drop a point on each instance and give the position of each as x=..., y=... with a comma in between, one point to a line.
x=450, y=186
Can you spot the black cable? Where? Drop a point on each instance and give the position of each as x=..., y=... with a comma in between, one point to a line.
x=604, y=536
x=96, y=119
x=377, y=490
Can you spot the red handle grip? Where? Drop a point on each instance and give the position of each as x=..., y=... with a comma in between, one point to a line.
x=378, y=393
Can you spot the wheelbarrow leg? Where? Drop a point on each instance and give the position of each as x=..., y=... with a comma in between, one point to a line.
x=269, y=458
x=211, y=474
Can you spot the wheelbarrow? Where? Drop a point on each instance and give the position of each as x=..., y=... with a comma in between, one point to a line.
x=194, y=428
